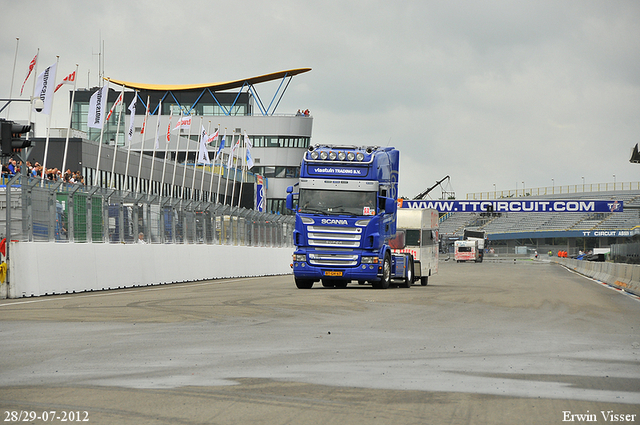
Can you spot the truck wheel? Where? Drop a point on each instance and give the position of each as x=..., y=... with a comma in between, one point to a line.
x=304, y=283
x=386, y=274
x=424, y=280
x=408, y=280
x=328, y=283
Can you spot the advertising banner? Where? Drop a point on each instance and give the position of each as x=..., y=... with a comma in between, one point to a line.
x=516, y=205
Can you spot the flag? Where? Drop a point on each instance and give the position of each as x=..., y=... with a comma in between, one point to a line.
x=233, y=151
x=32, y=64
x=113, y=107
x=157, y=145
x=213, y=137
x=132, y=108
x=69, y=79
x=183, y=122
x=248, y=157
x=97, y=103
x=221, y=146
x=146, y=115
x=44, y=87
x=203, y=153
x=169, y=127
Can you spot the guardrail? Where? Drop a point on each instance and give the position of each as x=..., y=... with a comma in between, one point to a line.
x=554, y=190
x=74, y=238
x=625, y=277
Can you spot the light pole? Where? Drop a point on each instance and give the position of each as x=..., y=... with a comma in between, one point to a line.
x=583, y=184
x=614, y=182
x=494, y=191
x=524, y=192
x=553, y=184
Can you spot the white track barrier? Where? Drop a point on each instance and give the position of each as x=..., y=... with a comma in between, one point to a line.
x=619, y=275
x=43, y=268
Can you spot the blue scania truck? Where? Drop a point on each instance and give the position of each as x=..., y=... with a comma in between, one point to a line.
x=345, y=217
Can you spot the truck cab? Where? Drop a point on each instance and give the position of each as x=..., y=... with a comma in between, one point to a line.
x=345, y=215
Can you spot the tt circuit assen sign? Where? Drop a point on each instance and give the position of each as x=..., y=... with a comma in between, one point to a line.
x=500, y=206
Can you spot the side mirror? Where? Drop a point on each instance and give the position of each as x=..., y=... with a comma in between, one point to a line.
x=291, y=200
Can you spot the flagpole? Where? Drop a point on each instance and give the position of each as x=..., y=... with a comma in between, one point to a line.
x=13, y=74
x=214, y=167
x=46, y=143
x=186, y=158
x=144, y=124
x=195, y=163
x=102, y=119
x=235, y=170
x=166, y=151
x=175, y=159
x=203, y=167
x=221, y=167
x=66, y=142
x=35, y=77
x=226, y=185
x=130, y=137
x=115, y=145
x=155, y=147
x=242, y=167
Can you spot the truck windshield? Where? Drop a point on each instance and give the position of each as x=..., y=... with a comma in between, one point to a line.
x=316, y=201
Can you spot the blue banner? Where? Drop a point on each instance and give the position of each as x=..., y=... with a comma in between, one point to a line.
x=323, y=170
x=516, y=205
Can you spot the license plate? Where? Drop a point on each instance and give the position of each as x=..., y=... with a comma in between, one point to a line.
x=332, y=273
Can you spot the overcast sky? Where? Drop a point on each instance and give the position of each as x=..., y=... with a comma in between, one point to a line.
x=486, y=92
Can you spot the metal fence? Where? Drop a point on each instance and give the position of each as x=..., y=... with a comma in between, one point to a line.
x=42, y=211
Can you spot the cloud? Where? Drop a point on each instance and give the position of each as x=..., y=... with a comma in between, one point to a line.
x=488, y=92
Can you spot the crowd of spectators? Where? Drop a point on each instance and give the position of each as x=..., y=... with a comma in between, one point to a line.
x=13, y=167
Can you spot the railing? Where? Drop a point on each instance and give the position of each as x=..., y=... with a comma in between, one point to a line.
x=555, y=190
x=42, y=211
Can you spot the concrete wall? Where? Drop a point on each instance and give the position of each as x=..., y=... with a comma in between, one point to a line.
x=56, y=268
x=619, y=275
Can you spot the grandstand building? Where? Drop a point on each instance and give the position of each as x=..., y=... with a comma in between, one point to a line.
x=233, y=107
x=524, y=232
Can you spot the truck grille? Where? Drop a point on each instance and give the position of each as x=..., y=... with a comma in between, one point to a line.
x=332, y=236
x=321, y=259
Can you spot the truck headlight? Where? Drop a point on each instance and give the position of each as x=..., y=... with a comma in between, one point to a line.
x=351, y=156
x=341, y=156
x=332, y=156
x=323, y=155
x=359, y=156
x=300, y=258
x=314, y=155
x=369, y=260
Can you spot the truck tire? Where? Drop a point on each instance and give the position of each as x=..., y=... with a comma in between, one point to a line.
x=386, y=274
x=424, y=280
x=304, y=283
x=408, y=279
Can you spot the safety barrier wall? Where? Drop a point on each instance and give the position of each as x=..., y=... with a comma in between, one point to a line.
x=58, y=268
x=619, y=275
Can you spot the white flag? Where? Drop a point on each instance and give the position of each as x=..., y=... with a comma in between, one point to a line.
x=132, y=108
x=233, y=151
x=183, y=122
x=45, y=86
x=248, y=157
x=169, y=127
x=203, y=153
x=157, y=145
x=97, y=105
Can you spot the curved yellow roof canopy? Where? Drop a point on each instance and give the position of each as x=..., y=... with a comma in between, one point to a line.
x=214, y=86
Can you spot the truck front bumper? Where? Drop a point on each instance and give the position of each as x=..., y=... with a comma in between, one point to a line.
x=368, y=272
